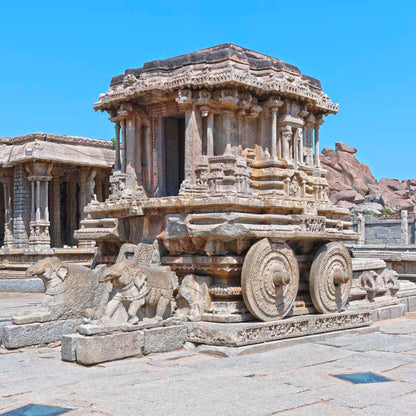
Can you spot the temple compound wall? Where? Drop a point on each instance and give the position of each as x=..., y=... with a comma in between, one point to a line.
x=46, y=180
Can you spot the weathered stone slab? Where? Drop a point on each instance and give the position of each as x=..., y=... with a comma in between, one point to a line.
x=94, y=349
x=164, y=339
x=98, y=349
x=22, y=285
x=101, y=329
x=411, y=304
x=17, y=336
x=247, y=333
x=388, y=312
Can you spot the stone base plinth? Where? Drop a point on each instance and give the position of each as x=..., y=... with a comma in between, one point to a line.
x=95, y=349
x=409, y=303
x=246, y=333
x=388, y=312
x=17, y=336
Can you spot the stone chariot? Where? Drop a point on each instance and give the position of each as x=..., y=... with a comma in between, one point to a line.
x=217, y=159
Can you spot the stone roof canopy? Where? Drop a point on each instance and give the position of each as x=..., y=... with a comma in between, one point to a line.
x=56, y=148
x=218, y=67
x=216, y=54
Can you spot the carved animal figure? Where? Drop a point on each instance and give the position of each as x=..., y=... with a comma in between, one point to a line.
x=70, y=290
x=368, y=282
x=193, y=297
x=391, y=281
x=139, y=287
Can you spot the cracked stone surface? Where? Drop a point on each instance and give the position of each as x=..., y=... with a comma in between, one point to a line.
x=291, y=381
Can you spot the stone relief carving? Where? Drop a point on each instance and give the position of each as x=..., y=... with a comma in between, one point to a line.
x=316, y=225
x=385, y=283
x=139, y=287
x=193, y=297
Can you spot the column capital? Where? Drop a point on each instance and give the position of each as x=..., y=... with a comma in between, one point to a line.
x=274, y=103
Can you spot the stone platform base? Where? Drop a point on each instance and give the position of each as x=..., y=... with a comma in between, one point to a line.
x=95, y=349
x=281, y=343
x=409, y=303
x=246, y=333
x=388, y=312
x=17, y=336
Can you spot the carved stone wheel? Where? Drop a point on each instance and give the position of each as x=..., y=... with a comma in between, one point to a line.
x=270, y=280
x=330, y=278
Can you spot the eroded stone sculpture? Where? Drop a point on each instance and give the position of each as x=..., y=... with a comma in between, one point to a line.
x=139, y=287
x=72, y=291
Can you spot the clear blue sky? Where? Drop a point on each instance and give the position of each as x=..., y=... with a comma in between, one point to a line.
x=56, y=57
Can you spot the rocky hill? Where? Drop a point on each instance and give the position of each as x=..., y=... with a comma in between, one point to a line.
x=352, y=185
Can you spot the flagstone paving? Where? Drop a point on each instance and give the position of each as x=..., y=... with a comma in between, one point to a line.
x=297, y=380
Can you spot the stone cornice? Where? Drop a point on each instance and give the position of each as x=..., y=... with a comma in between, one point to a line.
x=57, y=138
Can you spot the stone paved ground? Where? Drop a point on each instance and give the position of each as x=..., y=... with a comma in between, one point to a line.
x=289, y=381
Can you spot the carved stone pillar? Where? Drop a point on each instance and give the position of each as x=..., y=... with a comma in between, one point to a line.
x=8, y=225
x=210, y=134
x=21, y=208
x=87, y=187
x=361, y=228
x=286, y=137
x=274, y=104
x=190, y=127
x=56, y=207
x=148, y=156
x=317, y=125
x=40, y=175
x=72, y=208
x=300, y=141
x=404, y=226
x=274, y=132
x=227, y=128
x=117, y=165
x=124, y=136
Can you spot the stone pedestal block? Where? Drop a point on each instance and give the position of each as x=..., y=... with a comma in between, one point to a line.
x=17, y=336
x=99, y=349
x=388, y=312
x=246, y=333
x=409, y=303
x=164, y=339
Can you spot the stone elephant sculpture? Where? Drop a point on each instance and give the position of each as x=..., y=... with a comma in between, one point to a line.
x=71, y=290
x=391, y=281
x=137, y=287
x=368, y=282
